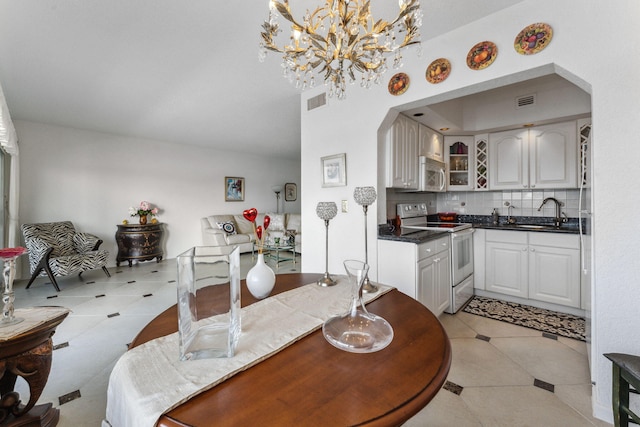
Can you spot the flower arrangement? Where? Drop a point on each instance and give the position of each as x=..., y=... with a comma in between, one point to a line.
x=260, y=232
x=143, y=210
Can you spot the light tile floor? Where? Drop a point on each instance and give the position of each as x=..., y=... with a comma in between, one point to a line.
x=491, y=383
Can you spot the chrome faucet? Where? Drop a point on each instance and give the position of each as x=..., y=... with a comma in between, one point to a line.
x=559, y=214
x=510, y=219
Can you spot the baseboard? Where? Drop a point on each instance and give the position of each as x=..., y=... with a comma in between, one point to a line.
x=602, y=412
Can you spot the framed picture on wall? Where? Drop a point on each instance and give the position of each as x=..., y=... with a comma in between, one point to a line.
x=290, y=192
x=334, y=170
x=233, y=189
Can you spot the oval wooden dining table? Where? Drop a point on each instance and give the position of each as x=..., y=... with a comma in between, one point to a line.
x=312, y=383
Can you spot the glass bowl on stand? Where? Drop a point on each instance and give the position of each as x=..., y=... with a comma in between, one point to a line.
x=357, y=331
x=9, y=256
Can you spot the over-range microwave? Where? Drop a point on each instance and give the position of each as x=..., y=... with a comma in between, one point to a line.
x=432, y=175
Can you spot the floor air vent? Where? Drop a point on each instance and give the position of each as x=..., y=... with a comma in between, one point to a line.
x=316, y=101
x=525, y=100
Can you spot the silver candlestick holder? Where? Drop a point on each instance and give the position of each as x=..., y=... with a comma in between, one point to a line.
x=365, y=196
x=326, y=211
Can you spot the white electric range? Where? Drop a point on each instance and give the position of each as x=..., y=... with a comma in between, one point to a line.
x=413, y=217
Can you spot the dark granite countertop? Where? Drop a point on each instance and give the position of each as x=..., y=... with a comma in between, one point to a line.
x=386, y=232
x=485, y=221
x=548, y=228
x=389, y=232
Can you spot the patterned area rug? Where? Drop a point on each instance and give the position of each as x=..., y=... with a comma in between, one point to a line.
x=565, y=325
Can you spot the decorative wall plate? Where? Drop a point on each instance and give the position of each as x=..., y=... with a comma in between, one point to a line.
x=398, y=84
x=438, y=70
x=482, y=55
x=533, y=39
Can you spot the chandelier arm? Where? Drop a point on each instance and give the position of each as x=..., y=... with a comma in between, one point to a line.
x=407, y=9
x=285, y=12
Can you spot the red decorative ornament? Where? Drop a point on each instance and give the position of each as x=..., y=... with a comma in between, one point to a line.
x=250, y=214
x=259, y=232
x=267, y=221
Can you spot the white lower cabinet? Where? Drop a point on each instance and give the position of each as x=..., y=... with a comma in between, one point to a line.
x=507, y=262
x=479, y=257
x=421, y=271
x=434, y=285
x=534, y=265
x=554, y=268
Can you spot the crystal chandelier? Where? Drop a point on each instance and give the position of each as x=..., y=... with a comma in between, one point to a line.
x=338, y=40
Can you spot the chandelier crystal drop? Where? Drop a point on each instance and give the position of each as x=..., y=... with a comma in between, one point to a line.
x=338, y=40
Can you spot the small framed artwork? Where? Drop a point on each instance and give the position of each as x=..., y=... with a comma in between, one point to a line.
x=233, y=189
x=290, y=192
x=334, y=170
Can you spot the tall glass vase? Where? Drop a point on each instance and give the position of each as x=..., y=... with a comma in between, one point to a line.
x=357, y=330
x=212, y=275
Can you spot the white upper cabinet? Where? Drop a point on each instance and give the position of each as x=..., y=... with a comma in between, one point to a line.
x=536, y=158
x=431, y=144
x=553, y=156
x=402, y=154
x=508, y=160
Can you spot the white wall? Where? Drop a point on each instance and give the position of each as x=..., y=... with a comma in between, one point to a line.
x=590, y=48
x=92, y=178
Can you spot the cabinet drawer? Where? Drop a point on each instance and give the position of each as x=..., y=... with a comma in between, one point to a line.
x=556, y=240
x=432, y=247
x=504, y=236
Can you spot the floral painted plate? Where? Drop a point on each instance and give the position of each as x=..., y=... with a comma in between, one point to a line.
x=438, y=70
x=533, y=39
x=482, y=55
x=398, y=84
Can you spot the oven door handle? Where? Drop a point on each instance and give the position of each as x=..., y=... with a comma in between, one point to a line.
x=462, y=233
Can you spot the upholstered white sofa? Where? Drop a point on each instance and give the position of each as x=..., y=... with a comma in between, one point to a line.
x=226, y=230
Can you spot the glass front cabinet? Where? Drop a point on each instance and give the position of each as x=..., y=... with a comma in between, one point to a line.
x=460, y=160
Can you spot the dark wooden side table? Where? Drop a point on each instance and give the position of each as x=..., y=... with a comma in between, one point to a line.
x=139, y=242
x=25, y=351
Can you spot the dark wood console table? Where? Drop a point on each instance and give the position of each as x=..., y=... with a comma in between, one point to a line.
x=313, y=383
x=139, y=242
x=27, y=354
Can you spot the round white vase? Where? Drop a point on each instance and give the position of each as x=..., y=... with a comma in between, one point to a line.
x=260, y=279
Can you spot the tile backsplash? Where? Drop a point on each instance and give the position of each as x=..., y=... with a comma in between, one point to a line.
x=525, y=202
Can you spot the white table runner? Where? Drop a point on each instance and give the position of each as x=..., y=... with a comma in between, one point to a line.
x=149, y=380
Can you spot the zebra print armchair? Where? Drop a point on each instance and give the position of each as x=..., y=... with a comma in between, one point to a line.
x=56, y=249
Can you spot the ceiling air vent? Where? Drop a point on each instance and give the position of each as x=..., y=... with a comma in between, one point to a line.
x=525, y=101
x=316, y=101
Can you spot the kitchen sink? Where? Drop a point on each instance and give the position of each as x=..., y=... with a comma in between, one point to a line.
x=535, y=226
x=571, y=227
x=568, y=228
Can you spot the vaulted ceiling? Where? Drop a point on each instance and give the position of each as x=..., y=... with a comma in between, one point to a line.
x=168, y=70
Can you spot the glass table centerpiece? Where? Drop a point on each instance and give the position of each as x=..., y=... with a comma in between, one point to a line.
x=357, y=330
